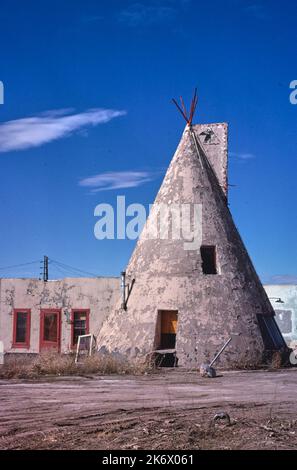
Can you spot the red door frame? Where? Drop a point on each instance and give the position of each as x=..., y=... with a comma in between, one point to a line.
x=79, y=310
x=49, y=344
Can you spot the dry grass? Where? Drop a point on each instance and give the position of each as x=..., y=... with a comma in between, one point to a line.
x=276, y=360
x=53, y=364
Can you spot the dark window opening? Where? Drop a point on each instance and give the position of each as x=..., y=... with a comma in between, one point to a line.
x=80, y=325
x=208, y=256
x=21, y=330
x=21, y=327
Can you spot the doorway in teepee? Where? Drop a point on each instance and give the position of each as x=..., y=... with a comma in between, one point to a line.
x=166, y=329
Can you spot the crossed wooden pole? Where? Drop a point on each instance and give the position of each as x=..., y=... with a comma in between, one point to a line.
x=182, y=109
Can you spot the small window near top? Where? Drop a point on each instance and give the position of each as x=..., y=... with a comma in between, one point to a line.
x=80, y=325
x=208, y=256
x=21, y=328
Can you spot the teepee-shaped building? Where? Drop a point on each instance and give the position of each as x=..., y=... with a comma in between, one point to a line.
x=193, y=298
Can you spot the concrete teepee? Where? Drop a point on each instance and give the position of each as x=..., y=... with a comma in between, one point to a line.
x=192, y=300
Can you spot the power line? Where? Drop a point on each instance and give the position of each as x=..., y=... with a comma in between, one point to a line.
x=56, y=271
x=72, y=268
x=61, y=267
x=26, y=275
x=77, y=270
x=62, y=270
x=18, y=265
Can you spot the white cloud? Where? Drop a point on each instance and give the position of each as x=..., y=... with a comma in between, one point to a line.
x=117, y=180
x=34, y=131
x=242, y=155
x=281, y=279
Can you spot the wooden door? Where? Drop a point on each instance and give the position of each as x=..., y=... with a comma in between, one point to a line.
x=50, y=329
x=168, y=329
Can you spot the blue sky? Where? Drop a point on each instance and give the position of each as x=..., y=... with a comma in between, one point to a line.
x=88, y=86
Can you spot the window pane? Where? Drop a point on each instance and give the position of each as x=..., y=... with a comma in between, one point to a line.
x=21, y=327
x=79, y=325
x=50, y=332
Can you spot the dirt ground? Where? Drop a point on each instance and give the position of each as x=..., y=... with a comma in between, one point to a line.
x=173, y=409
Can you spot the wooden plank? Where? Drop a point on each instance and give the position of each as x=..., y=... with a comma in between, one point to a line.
x=169, y=322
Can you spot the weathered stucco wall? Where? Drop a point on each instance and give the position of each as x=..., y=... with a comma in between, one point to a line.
x=210, y=307
x=286, y=312
x=96, y=294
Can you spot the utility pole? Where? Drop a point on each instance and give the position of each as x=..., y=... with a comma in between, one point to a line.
x=45, y=268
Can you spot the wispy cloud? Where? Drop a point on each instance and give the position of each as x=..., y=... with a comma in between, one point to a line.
x=139, y=13
x=281, y=279
x=51, y=125
x=242, y=155
x=117, y=180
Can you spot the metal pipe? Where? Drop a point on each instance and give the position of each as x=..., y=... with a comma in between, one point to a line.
x=123, y=288
x=220, y=351
x=193, y=135
x=45, y=268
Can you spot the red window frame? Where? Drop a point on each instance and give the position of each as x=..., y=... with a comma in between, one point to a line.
x=79, y=310
x=48, y=344
x=26, y=344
